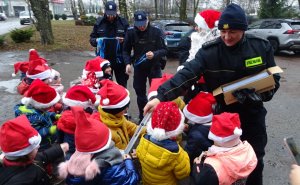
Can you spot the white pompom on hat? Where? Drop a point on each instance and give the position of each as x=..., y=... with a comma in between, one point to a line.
x=18, y=137
x=207, y=19
x=225, y=127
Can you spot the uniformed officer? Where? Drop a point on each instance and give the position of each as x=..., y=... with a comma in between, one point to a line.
x=108, y=33
x=221, y=61
x=147, y=42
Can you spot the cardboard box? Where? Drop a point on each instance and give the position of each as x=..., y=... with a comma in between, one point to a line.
x=262, y=82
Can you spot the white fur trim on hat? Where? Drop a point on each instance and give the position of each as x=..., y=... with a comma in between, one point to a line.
x=85, y=72
x=43, y=75
x=104, y=62
x=160, y=134
x=151, y=94
x=237, y=133
x=34, y=143
x=121, y=104
x=201, y=23
x=195, y=118
x=70, y=102
x=38, y=105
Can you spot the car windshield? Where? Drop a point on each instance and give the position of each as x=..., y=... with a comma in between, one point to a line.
x=178, y=27
x=24, y=13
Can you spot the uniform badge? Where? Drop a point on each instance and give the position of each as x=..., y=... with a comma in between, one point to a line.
x=253, y=62
x=225, y=26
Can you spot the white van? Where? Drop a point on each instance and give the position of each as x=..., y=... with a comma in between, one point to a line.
x=25, y=17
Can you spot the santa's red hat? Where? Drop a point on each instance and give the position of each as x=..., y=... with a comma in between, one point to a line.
x=167, y=121
x=112, y=95
x=18, y=137
x=79, y=95
x=38, y=69
x=91, y=136
x=20, y=66
x=225, y=127
x=200, y=108
x=40, y=95
x=207, y=19
x=94, y=65
x=156, y=82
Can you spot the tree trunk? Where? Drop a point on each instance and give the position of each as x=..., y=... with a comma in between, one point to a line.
x=42, y=13
x=156, y=10
x=299, y=4
x=182, y=15
x=123, y=8
x=81, y=8
x=196, y=3
x=165, y=9
x=74, y=9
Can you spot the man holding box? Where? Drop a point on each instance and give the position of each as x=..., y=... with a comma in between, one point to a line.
x=230, y=57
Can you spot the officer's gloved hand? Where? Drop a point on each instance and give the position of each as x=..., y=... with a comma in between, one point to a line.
x=267, y=96
x=247, y=96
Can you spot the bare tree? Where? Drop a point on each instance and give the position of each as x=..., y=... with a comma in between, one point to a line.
x=123, y=8
x=81, y=7
x=156, y=10
x=182, y=8
x=299, y=4
x=42, y=13
x=74, y=9
x=196, y=3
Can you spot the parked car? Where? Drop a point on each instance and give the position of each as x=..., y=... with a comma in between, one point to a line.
x=283, y=34
x=2, y=17
x=26, y=18
x=173, y=31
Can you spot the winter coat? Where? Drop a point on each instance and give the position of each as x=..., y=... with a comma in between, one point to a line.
x=113, y=170
x=121, y=129
x=40, y=121
x=33, y=173
x=152, y=39
x=104, y=28
x=226, y=167
x=162, y=162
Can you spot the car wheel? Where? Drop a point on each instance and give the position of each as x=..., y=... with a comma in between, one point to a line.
x=274, y=44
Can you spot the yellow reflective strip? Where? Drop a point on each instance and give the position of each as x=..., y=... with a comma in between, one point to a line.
x=253, y=62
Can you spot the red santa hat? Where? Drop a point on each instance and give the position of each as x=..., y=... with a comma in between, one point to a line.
x=167, y=121
x=207, y=19
x=91, y=136
x=20, y=66
x=33, y=54
x=200, y=108
x=40, y=95
x=79, y=95
x=38, y=69
x=18, y=137
x=225, y=128
x=112, y=95
x=156, y=82
x=94, y=65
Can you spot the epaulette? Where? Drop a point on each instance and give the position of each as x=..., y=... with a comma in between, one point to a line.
x=211, y=43
x=251, y=36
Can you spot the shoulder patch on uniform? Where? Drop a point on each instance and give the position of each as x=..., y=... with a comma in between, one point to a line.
x=211, y=43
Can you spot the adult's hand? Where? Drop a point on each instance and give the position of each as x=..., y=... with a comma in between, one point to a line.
x=121, y=39
x=149, y=55
x=128, y=69
x=151, y=105
x=295, y=175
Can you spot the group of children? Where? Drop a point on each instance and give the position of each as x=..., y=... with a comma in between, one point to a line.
x=80, y=136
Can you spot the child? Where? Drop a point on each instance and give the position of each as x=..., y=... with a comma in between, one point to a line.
x=114, y=101
x=77, y=95
x=96, y=159
x=229, y=159
x=94, y=71
x=163, y=161
x=22, y=164
x=199, y=112
x=38, y=98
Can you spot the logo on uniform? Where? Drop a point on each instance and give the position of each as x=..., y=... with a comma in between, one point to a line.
x=225, y=26
x=139, y=16
x=110, y=7
x=251, y=62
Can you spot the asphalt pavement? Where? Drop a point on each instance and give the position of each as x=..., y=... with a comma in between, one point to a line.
x=10, y=24
x=283, y=118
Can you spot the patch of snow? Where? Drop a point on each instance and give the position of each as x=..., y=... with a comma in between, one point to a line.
x=10, y=85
